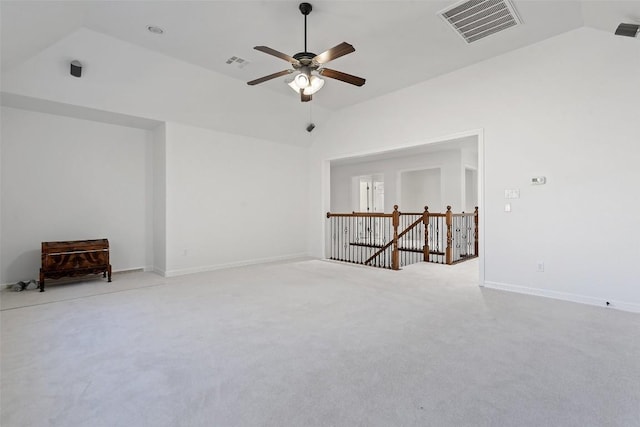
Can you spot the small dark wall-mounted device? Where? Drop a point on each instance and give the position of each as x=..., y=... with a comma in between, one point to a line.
x=311, y=127
x=628, y=30
x=76, y=68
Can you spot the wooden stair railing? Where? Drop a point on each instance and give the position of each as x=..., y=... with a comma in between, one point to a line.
x=377, y=238
x=395, y=264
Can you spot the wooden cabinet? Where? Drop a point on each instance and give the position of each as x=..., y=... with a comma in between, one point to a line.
x=74, y=258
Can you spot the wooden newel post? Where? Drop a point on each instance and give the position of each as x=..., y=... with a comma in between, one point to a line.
x=475, y=232
x=395, y=256
x=449, y=252
x=425, y=224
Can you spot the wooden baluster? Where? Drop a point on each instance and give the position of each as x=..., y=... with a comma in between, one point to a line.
x=330, y=246
x=395, y=260
x=338, y=238
x=475, y=231
x=425, y=224
x=350, y=227
x=448, y=251
x=341, y=225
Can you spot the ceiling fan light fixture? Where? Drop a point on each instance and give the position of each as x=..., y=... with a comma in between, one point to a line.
x=292, y=84
x=301, y=81
x=314, y=85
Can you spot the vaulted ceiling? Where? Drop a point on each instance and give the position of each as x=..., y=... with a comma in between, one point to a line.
x=398, y=43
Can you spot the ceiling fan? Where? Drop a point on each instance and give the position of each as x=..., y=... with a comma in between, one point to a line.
x=308, y=64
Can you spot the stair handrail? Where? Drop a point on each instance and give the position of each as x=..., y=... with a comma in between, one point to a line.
x=424, y=219
x=394, y=242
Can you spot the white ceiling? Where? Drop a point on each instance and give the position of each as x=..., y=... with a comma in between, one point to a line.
x=398, y=43
x=467, y=143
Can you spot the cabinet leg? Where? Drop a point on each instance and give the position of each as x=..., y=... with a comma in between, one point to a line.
x=41, y=281
x=109, y=272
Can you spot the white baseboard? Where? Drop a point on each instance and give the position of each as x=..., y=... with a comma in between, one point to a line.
x=78, y=278
x=130, y=270
x=156, y=270
x=581, y=299
x=202, y=269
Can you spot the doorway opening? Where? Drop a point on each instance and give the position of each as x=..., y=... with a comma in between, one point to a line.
x=370, y=193
x=442, y=173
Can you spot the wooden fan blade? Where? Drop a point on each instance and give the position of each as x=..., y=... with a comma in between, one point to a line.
x=303, y=97
x=333, y=53
x=277, y=54
x=269, y=77
x=338, y=75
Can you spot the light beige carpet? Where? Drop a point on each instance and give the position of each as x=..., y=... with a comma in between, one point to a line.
x=314, y=343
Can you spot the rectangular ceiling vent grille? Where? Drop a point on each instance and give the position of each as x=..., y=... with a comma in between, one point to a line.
x=240, y=62
x=475, y=19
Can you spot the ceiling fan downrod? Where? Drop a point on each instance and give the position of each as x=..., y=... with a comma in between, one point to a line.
x=305, y=9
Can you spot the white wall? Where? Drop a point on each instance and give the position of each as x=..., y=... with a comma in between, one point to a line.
x=1, y=199
x=421, y=188
x=232, y=200
x=470, y=189
x=566, y=108
x=177, y=199
x=68, y=179
x=126, y=78
x=448, y=161
x=159, y=200
x=470, y=167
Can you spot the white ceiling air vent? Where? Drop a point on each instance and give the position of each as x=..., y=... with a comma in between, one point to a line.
x=240, y=62
x=475, y=19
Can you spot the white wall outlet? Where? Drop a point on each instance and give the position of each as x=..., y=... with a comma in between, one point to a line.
x=540, y=266
x=507, y=207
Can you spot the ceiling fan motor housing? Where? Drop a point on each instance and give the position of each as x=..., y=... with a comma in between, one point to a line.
x=305, y=59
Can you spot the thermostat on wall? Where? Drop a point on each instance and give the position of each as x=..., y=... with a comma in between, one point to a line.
x=538, y=180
